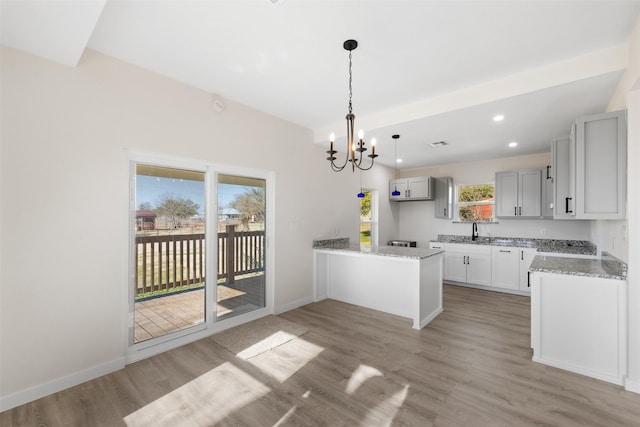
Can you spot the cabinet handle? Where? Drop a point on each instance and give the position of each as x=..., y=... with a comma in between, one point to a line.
x=528, y=279
x=508, y=252
x=566, y=204
x=520, y=211
x=445, y=211
x=515, y=211
x=522, y=255
x=548, y=172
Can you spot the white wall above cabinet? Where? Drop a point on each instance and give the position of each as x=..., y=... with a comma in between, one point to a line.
x=519, y=194
x=417, y=188
x=590, y=169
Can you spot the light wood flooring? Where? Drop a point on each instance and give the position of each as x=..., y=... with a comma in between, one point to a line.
x=470, y=367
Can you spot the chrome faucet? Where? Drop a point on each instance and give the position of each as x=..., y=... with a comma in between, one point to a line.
x=474, y=232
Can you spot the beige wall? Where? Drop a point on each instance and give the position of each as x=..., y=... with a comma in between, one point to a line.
x=65, y=138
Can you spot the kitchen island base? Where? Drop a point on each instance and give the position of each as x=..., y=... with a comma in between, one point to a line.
x=405, y=286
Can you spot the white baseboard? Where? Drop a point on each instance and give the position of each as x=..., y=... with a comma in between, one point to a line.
x=42, y=390
x=293, y=305
x=632, y=385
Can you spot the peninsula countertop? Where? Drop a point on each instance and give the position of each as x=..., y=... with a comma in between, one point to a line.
x=387, y=251
x=606, y=267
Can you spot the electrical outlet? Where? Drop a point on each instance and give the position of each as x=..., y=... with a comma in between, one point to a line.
x=543, y=231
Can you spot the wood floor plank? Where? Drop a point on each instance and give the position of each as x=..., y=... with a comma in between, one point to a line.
x=471, y=366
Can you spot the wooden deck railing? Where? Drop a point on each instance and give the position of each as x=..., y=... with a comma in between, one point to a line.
x=165, y=262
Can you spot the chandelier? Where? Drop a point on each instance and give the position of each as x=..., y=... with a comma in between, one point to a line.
x=352, y=146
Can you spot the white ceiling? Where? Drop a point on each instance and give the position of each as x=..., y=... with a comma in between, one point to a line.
x=427, y=70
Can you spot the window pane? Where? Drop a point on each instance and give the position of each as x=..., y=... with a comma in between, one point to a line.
x=169, y=253
x=476, y=193
x=241, y=245
x=476, y=213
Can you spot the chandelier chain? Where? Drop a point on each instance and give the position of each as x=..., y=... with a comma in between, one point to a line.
x=350, y=90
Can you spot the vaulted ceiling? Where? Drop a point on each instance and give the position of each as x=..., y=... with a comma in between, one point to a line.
x=427, y=70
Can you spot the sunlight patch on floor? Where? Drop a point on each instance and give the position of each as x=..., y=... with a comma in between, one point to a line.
x=383, y=413
x=359, y=376
x=287, y=359
x=205, y=400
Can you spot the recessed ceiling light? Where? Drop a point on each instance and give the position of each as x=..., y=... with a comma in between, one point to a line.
x=513, y=144
x=498, y=118
x=398, y=160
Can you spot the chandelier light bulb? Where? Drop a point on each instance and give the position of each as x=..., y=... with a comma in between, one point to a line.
x=332, y=137
x=360, y=134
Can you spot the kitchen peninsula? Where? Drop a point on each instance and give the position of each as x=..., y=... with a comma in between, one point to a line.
x=403, y=281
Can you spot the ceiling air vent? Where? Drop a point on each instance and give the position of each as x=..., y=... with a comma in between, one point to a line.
x=438, y=144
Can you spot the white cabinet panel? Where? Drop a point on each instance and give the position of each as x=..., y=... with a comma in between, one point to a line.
x=443, y=206
x=519, y=194
x=505, y=267
x=526, y=258
x=417, y=188
x=563, y=168
x=579, y=324
x=479, y=269
x=601, y=166
x=590, y=169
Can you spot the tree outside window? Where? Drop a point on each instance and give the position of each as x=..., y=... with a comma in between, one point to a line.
x=476, y=202
x=368, y=226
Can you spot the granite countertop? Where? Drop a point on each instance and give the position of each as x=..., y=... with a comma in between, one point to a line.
x=340, y=245
x=607, y=267
x=578, y=247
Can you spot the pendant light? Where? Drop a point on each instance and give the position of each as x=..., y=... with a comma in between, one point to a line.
x=395, y=192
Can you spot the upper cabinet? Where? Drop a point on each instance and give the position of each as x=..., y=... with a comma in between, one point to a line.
x=417, y=188
x=547, y=193
x=519, y=194
x=443, y=205
x=590, y=169
x=601, y=166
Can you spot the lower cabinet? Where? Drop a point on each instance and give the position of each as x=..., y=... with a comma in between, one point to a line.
x=505, y=271
x=502, y=267
x=468, y=264
x=510, y=267
x=526, y=258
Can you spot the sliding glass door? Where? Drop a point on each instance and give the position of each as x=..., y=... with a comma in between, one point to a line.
x=168, y=283
x=241, y=245
x=198, y=253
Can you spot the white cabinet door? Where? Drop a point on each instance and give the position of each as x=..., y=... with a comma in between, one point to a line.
x=505, y=272
x=443, y=205
x=419, y=188
x=479, y=269
x=401, y=186
x=526, y=258
x=455, y=266
x=529, y=193
x=563, y=165
x=519, y=194
x=547, y=193
x=601, y=166
x=506, y=194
